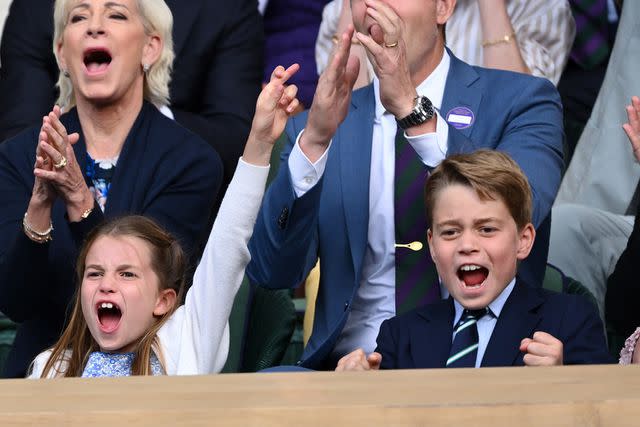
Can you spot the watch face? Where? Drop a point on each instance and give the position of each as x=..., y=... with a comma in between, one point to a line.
x=422, y=112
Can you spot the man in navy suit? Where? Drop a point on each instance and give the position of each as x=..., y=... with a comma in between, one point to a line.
x=479, y=208
x=333, y=198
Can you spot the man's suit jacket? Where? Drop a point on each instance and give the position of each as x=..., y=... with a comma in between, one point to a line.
x=422, y=338
x=215, y=81
x=516, y=113
x=163, y=171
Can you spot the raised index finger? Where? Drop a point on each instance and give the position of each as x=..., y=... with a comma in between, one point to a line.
x=340, y=57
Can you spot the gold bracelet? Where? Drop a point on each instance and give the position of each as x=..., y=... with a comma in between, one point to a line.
x=36, y=236
x=336, y=39
x=505, y=39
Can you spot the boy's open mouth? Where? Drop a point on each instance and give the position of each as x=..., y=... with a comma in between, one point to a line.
x=97, y=60
x=472, y=275
x=109, y=315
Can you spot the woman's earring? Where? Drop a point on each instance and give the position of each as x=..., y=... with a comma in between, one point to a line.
x=65, y=73
x=145, y=68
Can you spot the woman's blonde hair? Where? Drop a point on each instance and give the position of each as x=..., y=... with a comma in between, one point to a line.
x=70, y=354
x=157, y=19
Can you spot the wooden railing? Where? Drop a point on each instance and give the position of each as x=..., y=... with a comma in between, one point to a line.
x=562, y=396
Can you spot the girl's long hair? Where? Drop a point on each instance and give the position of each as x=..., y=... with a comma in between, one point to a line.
x=70, y=354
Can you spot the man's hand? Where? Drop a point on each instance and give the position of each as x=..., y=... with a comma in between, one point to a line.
x=357, y=360
x=543, y=350
x=331, y=100
x=387, y=51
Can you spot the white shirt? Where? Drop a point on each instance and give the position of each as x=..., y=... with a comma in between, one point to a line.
x=544, y=32
x=195, y=339
x=487, y=323
x=375, y=298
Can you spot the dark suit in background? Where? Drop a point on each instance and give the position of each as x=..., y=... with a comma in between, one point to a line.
x=216, y=74
x=422, y=338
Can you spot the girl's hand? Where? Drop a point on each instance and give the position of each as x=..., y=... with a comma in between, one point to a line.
x=276, y=103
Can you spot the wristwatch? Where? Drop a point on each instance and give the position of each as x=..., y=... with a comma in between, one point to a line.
x=422, y=112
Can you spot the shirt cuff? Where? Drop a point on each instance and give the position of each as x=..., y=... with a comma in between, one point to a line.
x=431, y=147
x=304, y=173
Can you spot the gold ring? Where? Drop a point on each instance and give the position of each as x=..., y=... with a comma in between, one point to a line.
x=391, y=44
x=62, y=163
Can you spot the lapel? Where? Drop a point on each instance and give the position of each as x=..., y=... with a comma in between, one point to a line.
x=354, y=142
x=462, y=89
x=518, y=320
x=430, y=338
x=184, y=14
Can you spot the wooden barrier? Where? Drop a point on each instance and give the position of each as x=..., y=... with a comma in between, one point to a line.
x=561, y=396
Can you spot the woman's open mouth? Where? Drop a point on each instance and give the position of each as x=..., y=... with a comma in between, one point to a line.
x=109, y=315
x=97, y=60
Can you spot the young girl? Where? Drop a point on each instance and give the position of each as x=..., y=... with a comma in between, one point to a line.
x=126, y=318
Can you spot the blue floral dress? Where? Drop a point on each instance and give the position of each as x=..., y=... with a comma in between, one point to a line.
x=99, y=174
x=102, y=364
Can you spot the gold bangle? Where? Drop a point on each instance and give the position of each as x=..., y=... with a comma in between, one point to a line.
x=86, y=213
x=505, y=39
x=36, y=236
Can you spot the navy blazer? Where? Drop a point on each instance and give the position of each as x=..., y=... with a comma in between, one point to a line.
x=163, y=171
x=515, y=113
x=422, y=338
x=215, y=80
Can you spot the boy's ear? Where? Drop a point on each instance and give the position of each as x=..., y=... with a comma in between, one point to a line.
x=526, y=238
x=429, y=239
x=165, y=302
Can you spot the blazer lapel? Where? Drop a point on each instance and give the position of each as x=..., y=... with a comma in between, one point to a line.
x=431, y=337
x=517, y=320
x=354, y=143
x=184, y=14
x=461, y=91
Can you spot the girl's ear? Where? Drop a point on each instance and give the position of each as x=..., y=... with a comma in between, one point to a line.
x=165, y=302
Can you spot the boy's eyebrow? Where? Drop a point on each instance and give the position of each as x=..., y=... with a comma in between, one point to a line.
x=485, y=220
x=447, y=222
x=94, y=266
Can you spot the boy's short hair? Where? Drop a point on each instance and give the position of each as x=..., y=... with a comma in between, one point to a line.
x=492, y=174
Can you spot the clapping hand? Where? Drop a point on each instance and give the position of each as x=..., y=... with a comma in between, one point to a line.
x=331, y=100
x=56, y=165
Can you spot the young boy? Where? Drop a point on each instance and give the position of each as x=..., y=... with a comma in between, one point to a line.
x=479, y=209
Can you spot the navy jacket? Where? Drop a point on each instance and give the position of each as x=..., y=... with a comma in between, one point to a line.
x=163, y=171
x=422, y=338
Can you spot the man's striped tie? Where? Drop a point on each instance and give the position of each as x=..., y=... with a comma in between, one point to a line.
x=464, y=349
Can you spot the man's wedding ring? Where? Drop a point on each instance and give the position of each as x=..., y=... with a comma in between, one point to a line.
x=391, y=44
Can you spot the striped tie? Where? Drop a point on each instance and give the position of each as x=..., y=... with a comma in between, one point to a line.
x=464, y=348
x=591, y=45
x=416, y=275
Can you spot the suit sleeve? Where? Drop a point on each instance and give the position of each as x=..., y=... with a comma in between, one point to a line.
x=29, y=72
x=623, y=289
x=532, y=136
x=582, y=334
x=387, y=346
x=284, y=246
x=227, y=96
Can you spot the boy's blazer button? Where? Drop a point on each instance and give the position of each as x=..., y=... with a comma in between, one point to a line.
x=346, y=305
x=282, y=219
